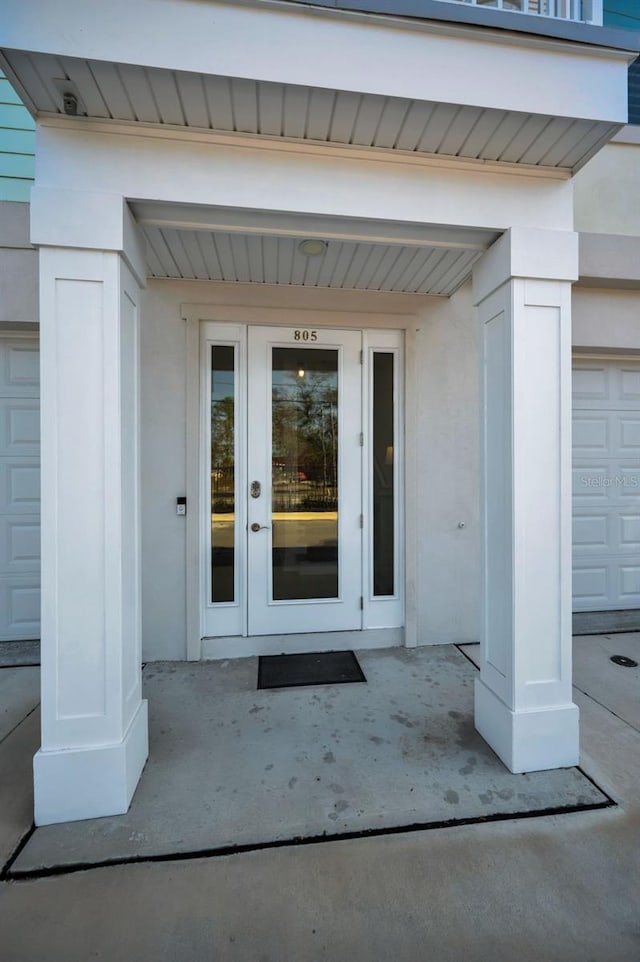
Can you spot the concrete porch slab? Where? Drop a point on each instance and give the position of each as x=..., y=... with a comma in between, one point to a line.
x=16, y=784
x=19, y=695
x=19, y=740
x=232, y=766
x=612, y=686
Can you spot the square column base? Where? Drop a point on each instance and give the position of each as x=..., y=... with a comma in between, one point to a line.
x=528, y=741
x=74, y=784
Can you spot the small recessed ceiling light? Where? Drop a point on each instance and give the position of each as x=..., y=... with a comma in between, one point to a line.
x=312, y=248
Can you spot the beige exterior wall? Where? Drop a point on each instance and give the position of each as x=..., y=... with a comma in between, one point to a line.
x=607, y=320
x=607, y=189
x=606, y=302
x=18, y=266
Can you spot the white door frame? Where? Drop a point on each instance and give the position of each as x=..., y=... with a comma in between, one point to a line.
x=193, y=315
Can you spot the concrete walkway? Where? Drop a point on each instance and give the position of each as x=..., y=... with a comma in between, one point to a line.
x=558, y=888
x=247, y=767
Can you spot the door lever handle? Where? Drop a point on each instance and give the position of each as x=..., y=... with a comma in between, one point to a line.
x=259, y=527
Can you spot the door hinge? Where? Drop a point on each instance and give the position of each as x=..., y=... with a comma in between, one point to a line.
x=361, y=603
x=362, y=521
x=361, y=439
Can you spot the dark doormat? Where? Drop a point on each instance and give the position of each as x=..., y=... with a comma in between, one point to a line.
x=310, y=668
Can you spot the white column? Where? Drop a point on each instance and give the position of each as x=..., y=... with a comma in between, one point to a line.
x=94, y=721
x=523, y=707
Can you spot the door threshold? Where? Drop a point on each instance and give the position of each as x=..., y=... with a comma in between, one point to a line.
x=238, y=646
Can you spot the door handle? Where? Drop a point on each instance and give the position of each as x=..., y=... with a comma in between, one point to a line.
x=259, y=527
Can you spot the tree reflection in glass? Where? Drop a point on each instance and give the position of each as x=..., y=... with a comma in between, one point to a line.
x=222, y=473
x=305, y=473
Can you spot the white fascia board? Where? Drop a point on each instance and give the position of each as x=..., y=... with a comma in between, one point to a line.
x=320, y=48
x=256, y=178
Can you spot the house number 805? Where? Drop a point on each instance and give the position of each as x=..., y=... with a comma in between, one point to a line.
x=305, y=335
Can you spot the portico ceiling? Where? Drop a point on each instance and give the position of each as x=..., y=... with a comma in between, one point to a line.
x=137, y=94
x=263, y=259
x=263, y=247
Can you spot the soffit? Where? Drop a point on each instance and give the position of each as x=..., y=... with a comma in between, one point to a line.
x=137, y=94
x=272, y=259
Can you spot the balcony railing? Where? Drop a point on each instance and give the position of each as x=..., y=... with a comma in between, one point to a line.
x=580, y=11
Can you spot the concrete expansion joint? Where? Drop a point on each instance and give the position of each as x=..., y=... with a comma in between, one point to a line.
x=17, y=725
x=5, y=871
x=230, y=850
x=606, y=708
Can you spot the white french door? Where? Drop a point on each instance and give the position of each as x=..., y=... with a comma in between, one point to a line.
x=287, y=545
x=304, y=462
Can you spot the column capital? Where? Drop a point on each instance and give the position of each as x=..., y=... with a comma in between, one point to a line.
x=87, y=220
x=526, y=253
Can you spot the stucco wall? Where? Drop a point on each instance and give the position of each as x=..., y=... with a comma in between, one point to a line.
x=607, y=191
x=448, y=472
x=18, y=266
x=606, y=319
x=446, y=455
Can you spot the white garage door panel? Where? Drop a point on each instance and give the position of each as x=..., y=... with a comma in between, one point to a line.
x=19, y=367
x=630, y=384
x=629, y=438
x=606, y=485
x=19, y=485
x=19, y=426
x=19, y=544
x=591, y=531
x=591, y=586
x=590, y=435
x=629, y=526
x=19, y=607
x=630, y=583
x=19, y=489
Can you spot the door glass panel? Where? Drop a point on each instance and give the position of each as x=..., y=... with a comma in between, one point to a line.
x=304, y=473
x=383, y=474
x=222, y=473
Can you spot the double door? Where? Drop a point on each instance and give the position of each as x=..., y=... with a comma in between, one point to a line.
x=286, y=546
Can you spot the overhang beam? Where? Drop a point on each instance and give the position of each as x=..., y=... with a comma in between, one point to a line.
x=281, y=224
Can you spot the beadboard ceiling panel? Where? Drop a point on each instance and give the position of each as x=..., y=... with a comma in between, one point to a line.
x=155, y=96
x=345, y=265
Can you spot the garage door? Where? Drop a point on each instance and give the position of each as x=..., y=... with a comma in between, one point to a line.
x=606, y=484
x=19, y=489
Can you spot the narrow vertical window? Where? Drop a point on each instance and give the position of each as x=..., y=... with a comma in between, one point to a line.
x=383, y=467
x=223, y=514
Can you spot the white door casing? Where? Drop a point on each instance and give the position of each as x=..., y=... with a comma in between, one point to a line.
x=606, y=483
x=19, y=488
x=254, y=608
